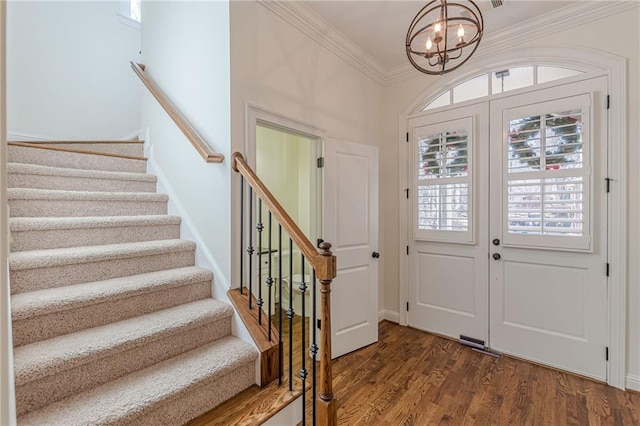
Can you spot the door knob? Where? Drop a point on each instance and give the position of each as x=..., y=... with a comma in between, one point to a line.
x=496, y=256
x=496, y=242
x=375, y=255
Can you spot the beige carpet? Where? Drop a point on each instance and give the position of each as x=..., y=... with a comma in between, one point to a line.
x=112, y=322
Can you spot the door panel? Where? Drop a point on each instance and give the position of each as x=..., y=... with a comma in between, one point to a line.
x=448, y=269
x=351, y=225
x=549, y=285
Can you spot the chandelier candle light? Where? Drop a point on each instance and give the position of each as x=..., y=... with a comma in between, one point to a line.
x=444, y=35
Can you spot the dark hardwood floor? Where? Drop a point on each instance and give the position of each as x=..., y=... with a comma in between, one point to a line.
x=410, y=377
x=414, y=378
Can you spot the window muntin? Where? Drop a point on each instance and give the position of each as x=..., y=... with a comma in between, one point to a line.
x=518, y=78
x=547, y=175
x=443, y=181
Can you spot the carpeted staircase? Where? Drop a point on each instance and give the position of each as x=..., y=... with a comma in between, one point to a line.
x=112, y=322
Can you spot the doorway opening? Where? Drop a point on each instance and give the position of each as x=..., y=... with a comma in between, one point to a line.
x=287, y=164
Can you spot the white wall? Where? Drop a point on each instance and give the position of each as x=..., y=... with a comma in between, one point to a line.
x=280, y=69
x=185, y=47
x=68, y=70
x=7, y=400
x=623, y=28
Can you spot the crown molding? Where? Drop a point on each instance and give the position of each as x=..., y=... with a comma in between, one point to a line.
x=310, y=23
x=317, y=28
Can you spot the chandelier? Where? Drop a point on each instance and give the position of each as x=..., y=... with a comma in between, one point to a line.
x=444, y=35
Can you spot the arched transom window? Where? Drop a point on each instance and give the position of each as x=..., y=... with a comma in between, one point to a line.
x=500, y=81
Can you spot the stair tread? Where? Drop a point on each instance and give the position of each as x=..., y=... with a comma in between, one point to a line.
x=45, y=142
x=76, y=151
x=85, y=173
x=50, y=223
x=47, y=357
x=51, y=194
x=47, y=301
x=72, y=255
x=131, y=395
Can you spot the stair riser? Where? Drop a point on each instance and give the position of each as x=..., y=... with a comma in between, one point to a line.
x=69, y=183
x=39, y=393
x=43, y=327
x=57, y=276
x=196, y=401
x=73, y=160
x=61, y=238
x=78, y=208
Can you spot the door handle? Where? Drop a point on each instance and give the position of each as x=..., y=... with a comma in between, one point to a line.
x=375, y=255
x=496, y=242
x=496, y=256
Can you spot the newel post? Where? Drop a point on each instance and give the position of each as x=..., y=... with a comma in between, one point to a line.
x=326, y=272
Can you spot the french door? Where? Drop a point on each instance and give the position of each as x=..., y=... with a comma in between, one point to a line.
x=508, y=224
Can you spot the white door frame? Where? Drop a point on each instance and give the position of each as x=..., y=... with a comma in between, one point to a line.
x=612, y=66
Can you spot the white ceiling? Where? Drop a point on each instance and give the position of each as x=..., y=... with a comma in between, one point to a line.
x=380, y=27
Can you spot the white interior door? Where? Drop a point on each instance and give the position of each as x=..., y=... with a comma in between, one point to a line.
x=351, y=226
x=448, y=268
x=548, y=211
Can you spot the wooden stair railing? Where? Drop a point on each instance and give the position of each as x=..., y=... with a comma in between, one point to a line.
x=183, y=124
x=323, y=263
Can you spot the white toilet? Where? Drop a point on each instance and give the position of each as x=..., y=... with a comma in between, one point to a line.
x=297, y=295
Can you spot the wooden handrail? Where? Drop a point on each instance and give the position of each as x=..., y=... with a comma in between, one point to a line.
x=183, y=124
x=325, y=266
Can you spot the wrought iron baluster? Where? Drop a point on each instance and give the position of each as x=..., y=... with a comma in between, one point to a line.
x=280, y=360
x=241, y=234
x=259, y=227
x=250, y=249
x=314, y=347
x=270, y=276
x=290, y=314
x=303, y=369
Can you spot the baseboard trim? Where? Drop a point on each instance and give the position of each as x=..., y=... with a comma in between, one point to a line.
x=385, y=314
x=25, y=137
x=633, y=382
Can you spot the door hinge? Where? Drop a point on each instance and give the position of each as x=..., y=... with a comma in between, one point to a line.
x=606, y=353
x=319, y=323
x=407, y=250
x=320, y=162
x=407, y=192
x=607, y=268
x=407, y=306
x=608, y=180
x=608, y=101
x=407, y=136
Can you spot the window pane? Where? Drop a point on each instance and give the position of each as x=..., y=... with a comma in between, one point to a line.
x=442, y=100
x=511, y=79
x=549, y=142
x=546, y=74
x=443, y=207
x=443, y=155
x=135, y=9
x=551, y=206
x=471, y=89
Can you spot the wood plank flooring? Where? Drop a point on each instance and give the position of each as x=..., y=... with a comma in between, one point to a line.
x=410, y=377
x=414, y=378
